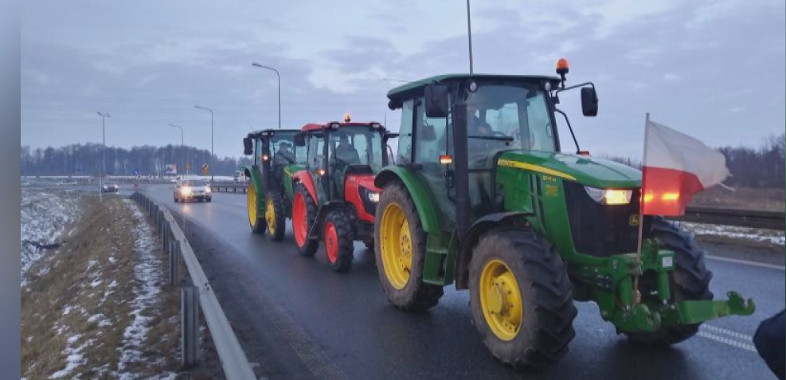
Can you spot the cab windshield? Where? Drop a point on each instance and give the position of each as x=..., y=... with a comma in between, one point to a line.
x=356, y=145
x=284, y=152
x=504, y=117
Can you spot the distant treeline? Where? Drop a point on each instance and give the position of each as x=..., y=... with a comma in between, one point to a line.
x=750, y=167
x=80, y=160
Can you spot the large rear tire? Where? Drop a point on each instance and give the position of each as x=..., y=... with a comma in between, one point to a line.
x=401, y=250
x=689, y=281
x=339, y=240
x=521, y=298
x=304, y=213
x=274, y=216
x=256, y=223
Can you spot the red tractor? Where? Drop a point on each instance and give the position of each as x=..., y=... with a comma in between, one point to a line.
x=335, y=198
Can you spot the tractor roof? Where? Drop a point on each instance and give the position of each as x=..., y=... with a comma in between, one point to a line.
x=406, y=90
x=271, y=132
x=311, y=127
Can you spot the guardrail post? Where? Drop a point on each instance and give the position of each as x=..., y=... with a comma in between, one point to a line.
x=189, y=331
x=174, y=263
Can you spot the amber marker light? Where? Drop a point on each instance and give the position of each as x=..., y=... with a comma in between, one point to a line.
x=670, y=196
x=265, y=157
x=321, y=172
x=562, y=66
x=445, y=159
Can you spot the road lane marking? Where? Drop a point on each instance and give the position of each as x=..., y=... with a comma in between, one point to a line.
x=746, y=262
x=727, y=341
x=731, y=333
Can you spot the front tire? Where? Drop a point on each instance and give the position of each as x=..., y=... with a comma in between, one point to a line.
x=274, y=216
x=256, y=223
x=521, y=298
x=689, y=281
x=304, y=213
x=339, y=240
x=400, y=252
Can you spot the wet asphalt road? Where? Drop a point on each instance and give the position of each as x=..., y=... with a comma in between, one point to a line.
x=296, y=318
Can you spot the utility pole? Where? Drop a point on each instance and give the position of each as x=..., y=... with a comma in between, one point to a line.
x=211, y=140
x=103, y=156
x=279, y=88
x=469, y=33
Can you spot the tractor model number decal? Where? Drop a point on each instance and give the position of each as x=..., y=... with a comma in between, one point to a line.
x=551, y=190
x=534, y=168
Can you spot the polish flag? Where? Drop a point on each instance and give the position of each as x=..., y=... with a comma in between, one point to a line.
x=676, y=166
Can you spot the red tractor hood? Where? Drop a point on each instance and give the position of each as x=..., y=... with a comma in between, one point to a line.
x=364, y=180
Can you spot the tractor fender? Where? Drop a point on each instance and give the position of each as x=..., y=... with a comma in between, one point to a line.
x=470, y=239
x=419, y=193
x=304, y=177
x=255, y=176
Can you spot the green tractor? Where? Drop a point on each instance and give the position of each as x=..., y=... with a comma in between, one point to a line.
x=335, y=197
x=269, y=193
x=482, y=198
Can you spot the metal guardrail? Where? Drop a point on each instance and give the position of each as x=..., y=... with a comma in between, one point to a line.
x=730, y=217
x=233, y=359
x=229, y=187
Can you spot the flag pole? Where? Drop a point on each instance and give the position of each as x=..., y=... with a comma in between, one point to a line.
x=636, y=293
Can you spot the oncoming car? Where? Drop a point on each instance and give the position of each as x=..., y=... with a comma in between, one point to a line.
x=192, y=190
x=107, y=188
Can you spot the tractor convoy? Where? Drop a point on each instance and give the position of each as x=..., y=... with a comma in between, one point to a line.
x=480, y=195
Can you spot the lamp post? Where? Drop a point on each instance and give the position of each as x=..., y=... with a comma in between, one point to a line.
x=211, y=139
x=279, y=88
x=181, y=145
x=103, y=156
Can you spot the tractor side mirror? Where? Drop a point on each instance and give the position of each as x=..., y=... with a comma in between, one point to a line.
x=436, y=99
x=589, y=101
x=248, y=149
x=300, y=140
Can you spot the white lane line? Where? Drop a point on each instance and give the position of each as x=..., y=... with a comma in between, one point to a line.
x=731, y=333
x=746, y=262
x=727, y=341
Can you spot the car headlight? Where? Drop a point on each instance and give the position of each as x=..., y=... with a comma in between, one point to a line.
x=374, y=197
x=186, y=191
x=609, y=196
x=207, y=190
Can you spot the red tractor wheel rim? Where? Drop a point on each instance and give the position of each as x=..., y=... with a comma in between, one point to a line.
x=331, y=242
x=299, y=220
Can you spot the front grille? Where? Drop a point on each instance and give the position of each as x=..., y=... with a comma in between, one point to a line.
x=600, y=230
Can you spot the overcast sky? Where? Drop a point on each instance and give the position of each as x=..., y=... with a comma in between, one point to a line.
x=711, y=68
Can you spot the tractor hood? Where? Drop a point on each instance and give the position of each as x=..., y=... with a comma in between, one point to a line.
x=586, y=170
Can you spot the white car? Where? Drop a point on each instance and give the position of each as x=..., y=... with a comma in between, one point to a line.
x=192, y=190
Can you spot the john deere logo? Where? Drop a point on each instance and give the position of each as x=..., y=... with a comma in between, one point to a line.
x=634, y=220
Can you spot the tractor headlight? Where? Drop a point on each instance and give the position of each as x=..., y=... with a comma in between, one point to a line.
x=609, y=196
x=374, y=197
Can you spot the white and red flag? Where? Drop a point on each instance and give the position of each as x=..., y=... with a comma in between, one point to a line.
x=676, y=166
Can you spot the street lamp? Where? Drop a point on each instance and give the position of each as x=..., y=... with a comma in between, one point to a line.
x=103, y=156
x=181, y=145
x=279, y=88
x=211, y=139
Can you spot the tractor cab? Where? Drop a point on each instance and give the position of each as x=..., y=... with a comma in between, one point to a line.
x=343, y=154
x=275, y=159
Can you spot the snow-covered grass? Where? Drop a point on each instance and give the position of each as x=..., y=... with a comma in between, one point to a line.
x=98, y=307
x=44, y=215
x=149, y=278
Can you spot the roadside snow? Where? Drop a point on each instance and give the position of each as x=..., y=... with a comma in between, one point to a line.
x=743, y=233
x=44, y=215
x=149, y=277
x=74, y=357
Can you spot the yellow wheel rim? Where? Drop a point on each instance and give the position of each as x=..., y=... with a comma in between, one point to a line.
x=252, y=204
x=270, y=216
x=500, y=300
x=396, y=246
